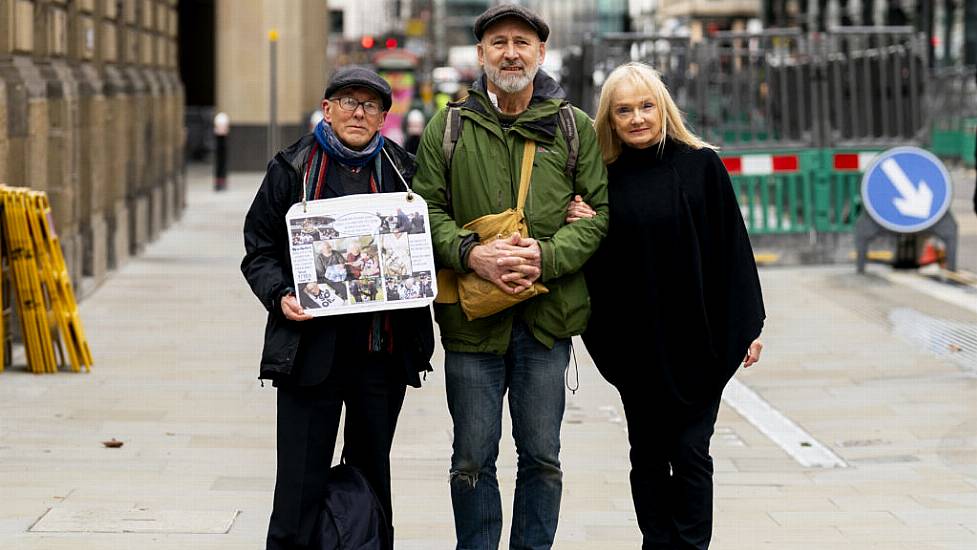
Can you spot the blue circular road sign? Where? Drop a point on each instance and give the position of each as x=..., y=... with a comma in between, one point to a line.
x=906, y=189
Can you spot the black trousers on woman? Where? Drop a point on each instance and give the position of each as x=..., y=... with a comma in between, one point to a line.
x=671, y=469
x=372, y=389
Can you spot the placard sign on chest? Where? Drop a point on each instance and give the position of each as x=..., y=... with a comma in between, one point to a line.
x=361, y=253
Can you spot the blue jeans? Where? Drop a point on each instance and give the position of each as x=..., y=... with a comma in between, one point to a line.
x=476, y=384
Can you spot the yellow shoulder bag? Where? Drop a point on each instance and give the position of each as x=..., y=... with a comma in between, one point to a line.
x=480, y=298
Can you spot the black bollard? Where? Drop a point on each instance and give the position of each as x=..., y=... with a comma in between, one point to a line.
x=221, y=126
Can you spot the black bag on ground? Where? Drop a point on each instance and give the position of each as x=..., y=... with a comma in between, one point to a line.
x=351, y=517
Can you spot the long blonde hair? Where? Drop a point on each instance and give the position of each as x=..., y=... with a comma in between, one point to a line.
x=641, y=76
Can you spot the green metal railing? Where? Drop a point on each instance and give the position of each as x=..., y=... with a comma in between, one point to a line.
x=969, y=144
x=843, y=202
x=814, y=198
x=775, y=204
x=952, y=106
x=954, y=139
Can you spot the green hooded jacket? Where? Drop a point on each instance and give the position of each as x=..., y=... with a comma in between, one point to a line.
x=484, y=179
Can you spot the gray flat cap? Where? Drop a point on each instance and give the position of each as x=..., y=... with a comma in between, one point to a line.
x=355, y=75
x=496, y=13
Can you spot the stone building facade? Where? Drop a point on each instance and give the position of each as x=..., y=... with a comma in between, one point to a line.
x=91, y=111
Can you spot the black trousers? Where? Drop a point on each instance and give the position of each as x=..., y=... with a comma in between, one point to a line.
x=671, y=469
x=308, y=422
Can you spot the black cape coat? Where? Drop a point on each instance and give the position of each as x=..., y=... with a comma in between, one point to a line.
x=675, y=295
x=268, y=270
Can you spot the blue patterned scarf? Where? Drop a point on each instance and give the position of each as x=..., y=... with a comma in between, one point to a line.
x=336, y=150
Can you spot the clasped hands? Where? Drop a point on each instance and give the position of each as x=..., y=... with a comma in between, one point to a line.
x=513, y=264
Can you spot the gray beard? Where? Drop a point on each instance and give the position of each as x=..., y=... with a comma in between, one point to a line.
x=513, y=83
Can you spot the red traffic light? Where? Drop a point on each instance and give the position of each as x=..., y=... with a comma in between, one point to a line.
x=391, y=43
x=367, y=41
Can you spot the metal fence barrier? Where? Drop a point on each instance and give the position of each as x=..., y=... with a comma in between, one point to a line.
x=799, y=116
x=873, y=83
x=755, y=90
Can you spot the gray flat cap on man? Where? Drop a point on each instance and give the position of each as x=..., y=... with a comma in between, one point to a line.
x=501, y=11
x=354, y=75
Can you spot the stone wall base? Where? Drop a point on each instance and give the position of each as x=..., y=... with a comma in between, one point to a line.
x=72, y=247
x=155, y=212
x=96, y=241
x=119, y=235
x=138, y=224
x=169, y=202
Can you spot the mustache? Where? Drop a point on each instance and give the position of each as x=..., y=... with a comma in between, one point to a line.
x=511, y=64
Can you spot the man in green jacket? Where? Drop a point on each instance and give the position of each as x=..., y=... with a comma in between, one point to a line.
x=524, y=349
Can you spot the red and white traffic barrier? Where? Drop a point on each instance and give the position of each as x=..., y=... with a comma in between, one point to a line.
x=766, y=165
x=852, y=162
x=761, y=165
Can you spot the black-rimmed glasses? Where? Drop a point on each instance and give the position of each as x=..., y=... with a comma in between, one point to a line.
x=349, y=103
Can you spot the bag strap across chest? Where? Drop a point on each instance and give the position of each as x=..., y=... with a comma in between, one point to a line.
x=526, y=173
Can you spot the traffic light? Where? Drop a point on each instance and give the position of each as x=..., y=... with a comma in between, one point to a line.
x=391, y=40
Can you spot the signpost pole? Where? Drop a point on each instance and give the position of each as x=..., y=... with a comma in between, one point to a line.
x=273, y=93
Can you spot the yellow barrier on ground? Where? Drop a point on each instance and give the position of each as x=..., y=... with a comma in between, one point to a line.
x=44, y=296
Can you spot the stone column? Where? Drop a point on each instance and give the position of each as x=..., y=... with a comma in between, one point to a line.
x=137, y=124
x=114, y=143
x=160, y=47
x=63, y=153
x=93, y=170
x=156, y=105
x=169, y=128
x=173, y=194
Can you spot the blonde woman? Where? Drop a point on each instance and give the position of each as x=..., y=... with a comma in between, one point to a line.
x=671, y=329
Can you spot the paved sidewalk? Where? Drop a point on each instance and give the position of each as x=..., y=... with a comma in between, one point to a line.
x=876, y=371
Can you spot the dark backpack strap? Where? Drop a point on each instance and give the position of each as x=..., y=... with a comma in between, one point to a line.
x=452, y=131
x=568, y=125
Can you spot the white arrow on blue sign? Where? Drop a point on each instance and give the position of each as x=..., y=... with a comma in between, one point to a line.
x=906, y=189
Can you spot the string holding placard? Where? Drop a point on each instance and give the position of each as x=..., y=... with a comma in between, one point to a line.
x=410, y=192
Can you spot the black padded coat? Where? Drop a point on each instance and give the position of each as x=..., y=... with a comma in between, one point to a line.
x=267, y=268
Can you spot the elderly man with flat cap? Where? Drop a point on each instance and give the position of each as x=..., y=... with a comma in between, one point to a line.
x=470, y=161
x=363, y=361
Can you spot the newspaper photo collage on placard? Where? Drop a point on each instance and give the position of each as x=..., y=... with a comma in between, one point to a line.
x=361, y=253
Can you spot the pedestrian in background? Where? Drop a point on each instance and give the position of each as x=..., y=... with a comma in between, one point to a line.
x=696, y=313
x=523, y=350
x=413, y=128
x=363, y=361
